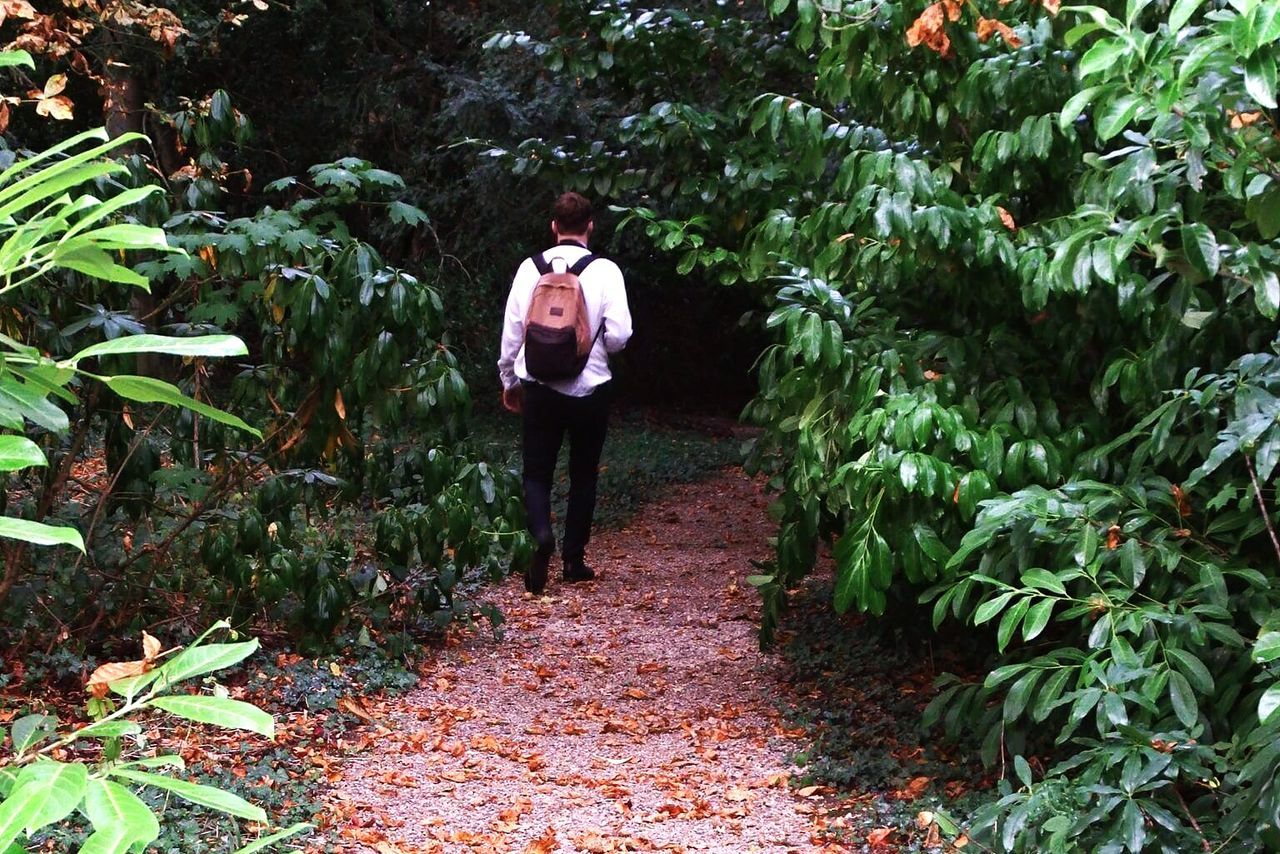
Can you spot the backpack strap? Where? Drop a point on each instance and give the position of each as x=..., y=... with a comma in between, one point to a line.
x=540, y=261
x=582, y=264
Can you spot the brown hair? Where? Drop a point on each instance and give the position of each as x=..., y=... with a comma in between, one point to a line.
x=571, y=213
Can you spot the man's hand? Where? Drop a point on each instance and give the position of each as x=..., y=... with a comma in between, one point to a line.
x=513, y=399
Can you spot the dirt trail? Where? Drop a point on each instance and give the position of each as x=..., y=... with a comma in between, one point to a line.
x=632, y=714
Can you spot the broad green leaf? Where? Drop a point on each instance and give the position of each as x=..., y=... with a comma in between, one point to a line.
x=206, y=658
x=1181, y=13
x=32, y=404
x=1183, y=699
x=113, y=840
x=219, y=711
x=989, y=609
x=1102, y=56
x=1267, y=24
x=267, y=841
x=1267, y=647
x=19, y=452
x=151, y=390
x=110, y=729
x=121, y=236
x=58, y=786
x=1195, y=671
x=1009, y=623
x=99, y=264
x=204, y=345
x=205, y=796
x=1117, y=115
x=1201, y=248
x=40, y=534
x=1266, y=294
x=10, y=58
x=132, y=686
x=169, y=761
x=1037, y=618
x=113, y=808
x=1043, y=579
x=1269, y=704
x=1260, y=78
x=30, y=730
x=17, y=811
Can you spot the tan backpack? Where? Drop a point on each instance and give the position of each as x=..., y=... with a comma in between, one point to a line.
x=557, y=330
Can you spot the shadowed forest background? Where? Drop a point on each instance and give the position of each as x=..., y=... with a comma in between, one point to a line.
x=994, y=283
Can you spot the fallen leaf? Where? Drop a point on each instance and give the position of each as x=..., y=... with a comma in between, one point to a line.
x=544, y=844
x=880, y=837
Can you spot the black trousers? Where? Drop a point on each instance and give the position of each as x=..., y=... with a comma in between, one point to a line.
x=548, y=416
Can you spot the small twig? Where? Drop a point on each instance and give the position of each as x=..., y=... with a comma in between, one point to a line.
x=1204, y=842
x=1262, y=505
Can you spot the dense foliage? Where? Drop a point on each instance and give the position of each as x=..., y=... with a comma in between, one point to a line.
x=1026, y=358
x=38, y=791
x=1020, y=263
x=349, y=362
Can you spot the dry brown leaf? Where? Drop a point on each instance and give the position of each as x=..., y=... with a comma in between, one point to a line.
x=544, y=844
x=914, y=789
x=58, y=107
x=1243, y=120
x=18, y=9
x=100, y=680
x=988, y=27
x=351, y=705
x=151, y=648
x=930, y=30
x=880, y=837
x=1006, y=219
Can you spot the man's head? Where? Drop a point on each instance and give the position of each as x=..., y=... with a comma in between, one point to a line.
x=571, y=217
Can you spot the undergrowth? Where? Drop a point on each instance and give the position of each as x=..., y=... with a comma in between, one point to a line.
x=860, y=693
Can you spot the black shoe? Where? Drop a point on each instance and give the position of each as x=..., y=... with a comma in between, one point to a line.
x=535, y=577
x=578, y=571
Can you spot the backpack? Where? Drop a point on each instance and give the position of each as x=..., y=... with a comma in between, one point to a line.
x=557, y=331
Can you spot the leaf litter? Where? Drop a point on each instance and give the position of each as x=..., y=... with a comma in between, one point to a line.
x=633, y=714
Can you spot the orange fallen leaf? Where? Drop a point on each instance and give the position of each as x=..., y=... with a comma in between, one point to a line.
x=544, y=844
x=880, y=837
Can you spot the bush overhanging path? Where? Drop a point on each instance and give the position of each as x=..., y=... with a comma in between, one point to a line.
x=636, y=709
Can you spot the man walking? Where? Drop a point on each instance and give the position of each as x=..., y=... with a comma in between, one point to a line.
x=577, y=404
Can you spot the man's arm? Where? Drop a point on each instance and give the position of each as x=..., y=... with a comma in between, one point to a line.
x=513, y=328
x=617, y=313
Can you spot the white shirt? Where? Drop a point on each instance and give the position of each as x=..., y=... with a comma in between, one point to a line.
x=606, y=298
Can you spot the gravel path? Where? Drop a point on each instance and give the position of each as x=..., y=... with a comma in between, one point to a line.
x=632, y=714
